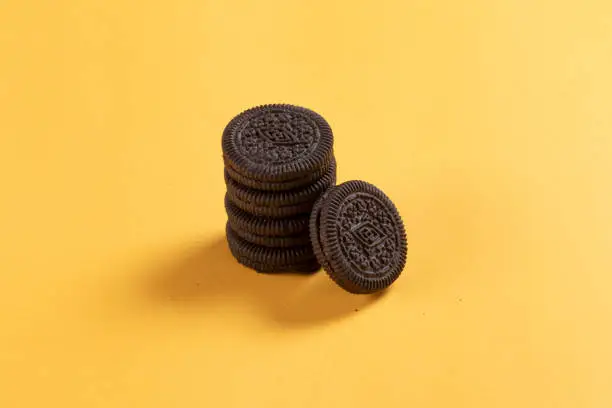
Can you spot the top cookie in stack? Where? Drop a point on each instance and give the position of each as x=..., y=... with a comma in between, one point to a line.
x=278, y=160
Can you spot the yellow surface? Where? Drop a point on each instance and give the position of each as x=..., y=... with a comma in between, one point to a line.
x=488, y=122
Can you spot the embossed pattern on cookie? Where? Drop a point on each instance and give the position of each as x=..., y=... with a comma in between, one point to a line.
x=359, y=237
x=277, y=143
x=278, y=160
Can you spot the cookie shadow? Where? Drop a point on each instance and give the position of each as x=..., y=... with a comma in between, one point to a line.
x=208, y=276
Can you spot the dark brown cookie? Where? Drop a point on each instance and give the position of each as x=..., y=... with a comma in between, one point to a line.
x=277, y=185
x=281, y=211
x=314, y=221
x=266, y=226
x=307, y=267
x=281, y=198
x=271, y=241
x=264, y=259
x=277, y=143
x=359, y=237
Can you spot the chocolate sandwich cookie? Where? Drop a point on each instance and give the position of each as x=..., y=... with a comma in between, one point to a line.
x=358, y=237
x=302, y=267
x=281, y=198
x=266, y=226
x=277, y=185
x=313, y=227
x=264, y=259
x=276, y=143
x=279, y=211
x=271, y=241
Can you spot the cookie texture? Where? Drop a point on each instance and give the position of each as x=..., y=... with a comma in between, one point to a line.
x=313, y=229
x=271, y=241
x=266, y=226
x=278, y=160
x=277, y=185
x=307, y=194
x=277, y=143
x=265, y=259
x=307, y=267
x=359, y=237
x=279, y=211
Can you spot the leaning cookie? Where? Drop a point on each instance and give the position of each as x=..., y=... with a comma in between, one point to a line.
x=359, y=237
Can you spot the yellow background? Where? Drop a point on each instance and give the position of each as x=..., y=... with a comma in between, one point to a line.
x=488, y=122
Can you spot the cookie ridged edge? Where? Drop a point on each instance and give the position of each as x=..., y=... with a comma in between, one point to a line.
x=314, y=230
x=285, y=171
x=340, y=270
x=277, y=185
x=265, y=255
x=282, y=198
x=265, y=225
x=271, y=241
x=308, y=267
x=284, y=211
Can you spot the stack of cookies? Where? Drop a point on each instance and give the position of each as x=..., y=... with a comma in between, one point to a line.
x=279, y=159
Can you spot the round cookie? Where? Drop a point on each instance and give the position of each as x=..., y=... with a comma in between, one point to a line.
x=313, y=227
x=281, y=198
x=277, y=185
x=307, y=267
x=277, y=143
x=264, y=259
x=271, y=227
x=281, y=211
x=272, y=242
x=359, y=237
